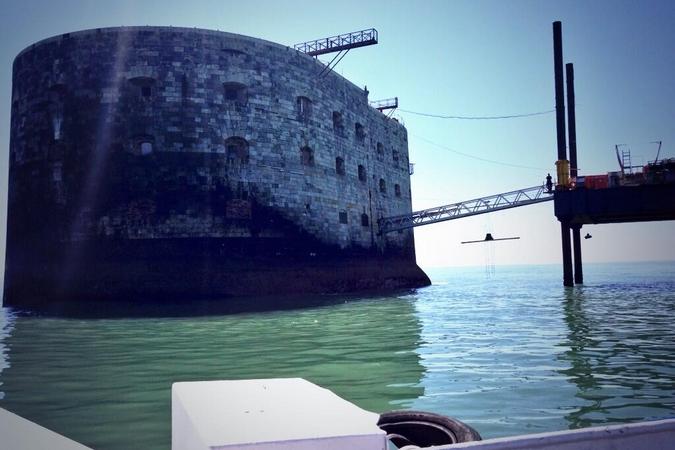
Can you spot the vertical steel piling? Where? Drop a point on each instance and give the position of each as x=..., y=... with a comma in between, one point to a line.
x=572, y=134
x=571, y=119
x=562, y=150
x=576, y=245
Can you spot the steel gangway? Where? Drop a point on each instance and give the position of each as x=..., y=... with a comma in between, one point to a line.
x=482, y=205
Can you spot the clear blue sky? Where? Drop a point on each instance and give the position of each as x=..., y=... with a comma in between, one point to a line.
x=461, y=58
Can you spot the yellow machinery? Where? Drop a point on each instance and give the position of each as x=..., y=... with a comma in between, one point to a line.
x=563, y=170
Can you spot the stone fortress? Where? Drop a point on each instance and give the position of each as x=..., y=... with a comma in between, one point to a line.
x=154, y=162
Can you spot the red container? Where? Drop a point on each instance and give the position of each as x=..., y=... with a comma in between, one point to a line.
x=602, y=182
x=596, y=182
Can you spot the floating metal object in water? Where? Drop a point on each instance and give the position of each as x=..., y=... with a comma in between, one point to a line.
x=489, y=238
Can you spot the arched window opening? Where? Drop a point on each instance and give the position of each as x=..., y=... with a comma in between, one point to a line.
x=339, y=166
x=307, y=156
x=143, y=86
x=343, y=217
x=304, y=108
x=338, y=122
x=236, y=93
x=236, y=150
x=144, y=145
x=360, y=133
x=383, y=186
x=362, y=173
x=397, y=190
x=394, y=156
x=364, y=220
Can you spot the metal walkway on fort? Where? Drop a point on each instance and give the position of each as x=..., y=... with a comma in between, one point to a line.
x=513, y=199
x=338, y=43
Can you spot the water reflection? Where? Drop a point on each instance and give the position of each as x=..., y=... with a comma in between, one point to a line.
x=516, y=353
x=183, y=308
x=6, y=326
x=621, y=352
x=512, y=354
x=489, y=346
x=106, y=382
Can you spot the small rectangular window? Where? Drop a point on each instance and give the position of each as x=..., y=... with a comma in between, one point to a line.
x=360, y=133
x=307, y=156
x=338, y=123
x=362, y=173
x=236, y=149
x=236, y=93
x=230, y=94
x=143, y=86
x=146, y=148
x=142, y=145
x=57, y=121
x=304, y=108
x=57, y=172
x=339, y=166
x=343, y=217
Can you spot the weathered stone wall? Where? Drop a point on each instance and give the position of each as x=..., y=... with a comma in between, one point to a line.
x=159, y=132
x=158, y=162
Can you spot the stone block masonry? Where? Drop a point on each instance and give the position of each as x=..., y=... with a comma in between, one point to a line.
x=160, y=134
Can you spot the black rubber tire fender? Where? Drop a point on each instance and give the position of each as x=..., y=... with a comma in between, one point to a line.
x=426, y=429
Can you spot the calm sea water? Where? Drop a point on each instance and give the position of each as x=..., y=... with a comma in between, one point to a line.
x=511, y=353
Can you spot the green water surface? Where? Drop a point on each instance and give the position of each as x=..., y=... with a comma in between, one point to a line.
x=509, y=353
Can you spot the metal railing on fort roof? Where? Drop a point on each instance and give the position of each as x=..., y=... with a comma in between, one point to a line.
x=339, y=42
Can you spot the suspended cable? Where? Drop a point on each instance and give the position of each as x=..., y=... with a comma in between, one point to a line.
x=513, y=116
x=492, y=161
